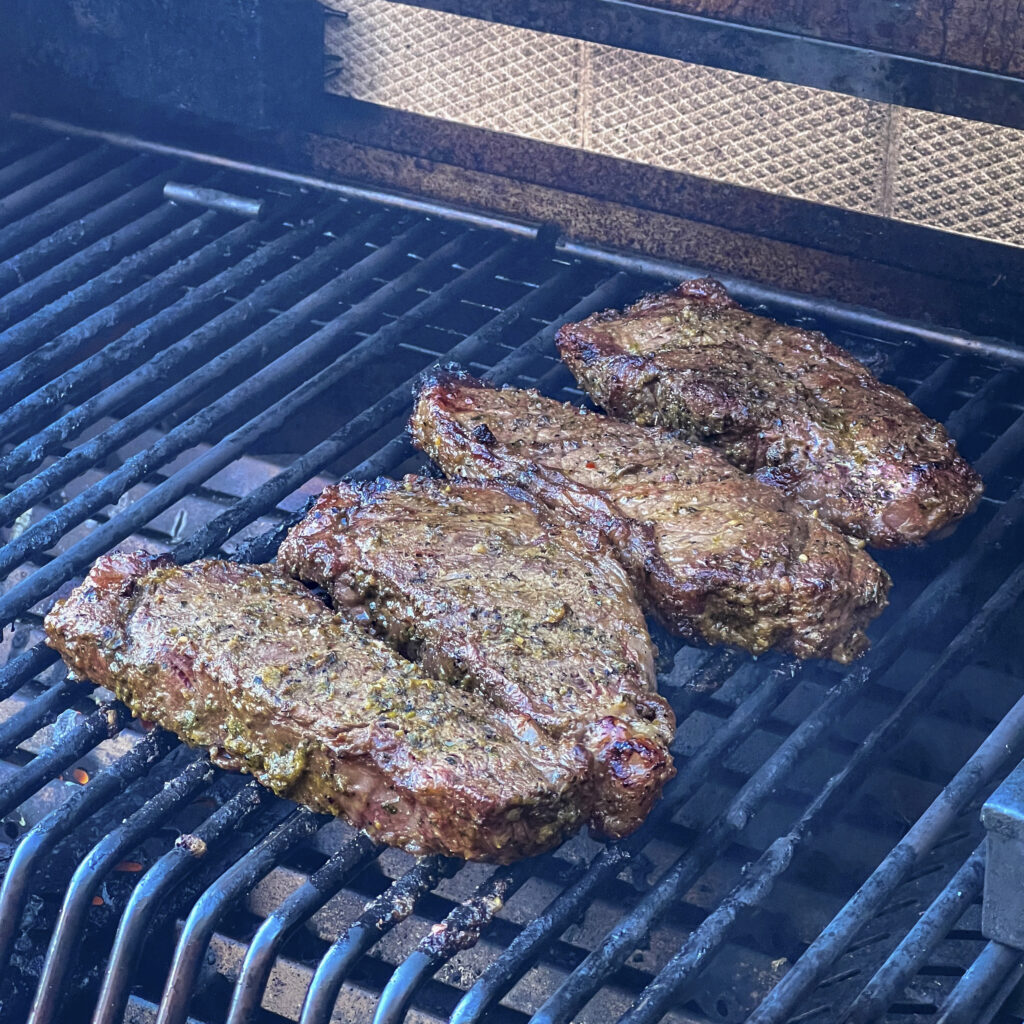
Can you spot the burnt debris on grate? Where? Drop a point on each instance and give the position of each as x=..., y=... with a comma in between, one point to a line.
x=185, y=380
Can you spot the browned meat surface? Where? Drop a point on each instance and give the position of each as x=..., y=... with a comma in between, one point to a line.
x=488, y=591
x=780, y=402
x=720, y=556
x=246, y=662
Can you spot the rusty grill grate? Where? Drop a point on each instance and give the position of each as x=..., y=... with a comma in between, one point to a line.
x=178, y=378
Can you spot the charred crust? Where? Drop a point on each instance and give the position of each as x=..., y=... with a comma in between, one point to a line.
x=708, y=290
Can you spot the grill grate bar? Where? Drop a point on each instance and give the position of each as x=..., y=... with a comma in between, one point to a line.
x=42, y=710
x=992, y=753
x=147, y=899
x=211, y=906
x=91, y=872
x=17, y=672
x=40, y=840
x=18, y=204
x=503, y=973
x=983, y=987
x=380, y=915
x=715, y=732
x=934, y=924
x=933, y=601
x=762, y=876
x=102, y=724
x=38, y=162
x=158, y=237
x=268, y=494
x=460, y=930
x=136, y=342
x=293, y=911
x=195, y=430
x=163, y=364
x=29, y=244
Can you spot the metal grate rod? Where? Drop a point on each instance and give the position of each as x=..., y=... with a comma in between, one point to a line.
x=29, y=244
x=91, y=872
x=19, y=203
x=40, y=840
x=933, y=601
x=38, y=712
x=148, y=898
x=995, y=749
x=268, y=494
x=20, y=182
x=978, y=994
x=102, y=724
x=460, y=930
x=293, y=911
x=194, y=430
x=38, y=163
x=379, y=916
x=931, y=928
x=161, y=367
x=158, y=237
x=129, y=347
x=18, y=671
x=503, y=973
x=212, y=905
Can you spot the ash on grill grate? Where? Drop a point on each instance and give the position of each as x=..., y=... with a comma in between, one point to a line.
x=183, y=380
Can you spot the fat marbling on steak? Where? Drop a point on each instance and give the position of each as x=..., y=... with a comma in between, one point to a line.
x=781, y=402
x=488, y=591
x=719, y=556
x=245, y=661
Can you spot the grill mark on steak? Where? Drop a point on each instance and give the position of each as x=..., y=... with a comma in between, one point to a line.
x=720, y=557
x=487, y=590
x=246, y=662
x=778, y=401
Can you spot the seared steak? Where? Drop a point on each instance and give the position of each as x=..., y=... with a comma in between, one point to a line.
x=720, y=556
x=778, y=401
x=489, y=592
x=246, y=662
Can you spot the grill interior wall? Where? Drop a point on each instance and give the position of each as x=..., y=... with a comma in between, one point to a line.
x=877, y=158
x=182, y=380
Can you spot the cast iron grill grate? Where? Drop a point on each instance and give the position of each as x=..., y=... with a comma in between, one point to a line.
x=177, y=378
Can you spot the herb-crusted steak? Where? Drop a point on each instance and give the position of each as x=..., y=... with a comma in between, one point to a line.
x=781, y=402
x=242, y=660
x=488, y=591
x=719, y=555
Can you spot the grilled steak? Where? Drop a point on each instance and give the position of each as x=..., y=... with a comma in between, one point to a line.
x=781, y=402
x=487, y=591
x=246, y=662
x=720, y=556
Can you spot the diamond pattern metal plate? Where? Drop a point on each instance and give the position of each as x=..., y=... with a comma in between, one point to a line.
x=828, y=148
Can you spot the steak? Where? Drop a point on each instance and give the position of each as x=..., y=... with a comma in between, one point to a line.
x=246, y=662
x=781, y=402
x=719, y=556
x=488, y=592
